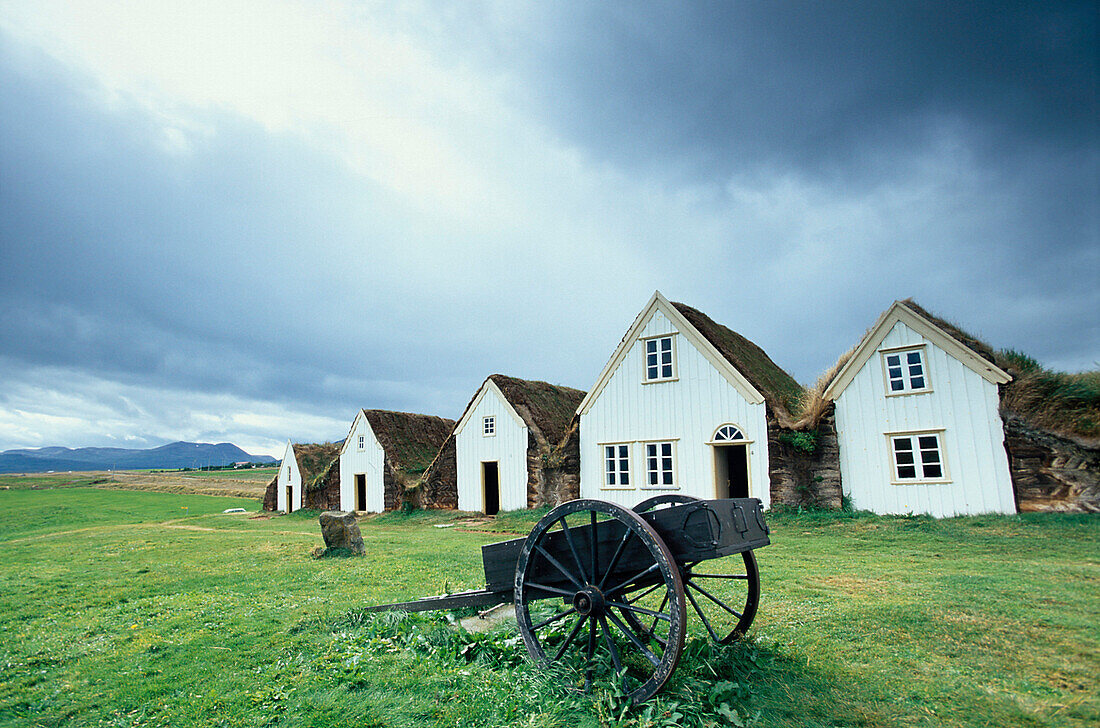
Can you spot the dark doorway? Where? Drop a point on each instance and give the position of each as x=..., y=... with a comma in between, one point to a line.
x=490, y=481
x=360, y=492
x=289, y=499
x=731, y=471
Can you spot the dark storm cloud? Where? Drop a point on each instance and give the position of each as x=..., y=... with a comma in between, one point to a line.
x=821, y=87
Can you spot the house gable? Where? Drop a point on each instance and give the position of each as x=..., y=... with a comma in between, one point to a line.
x=489, y=388
x=900, y=312
x=360, y=423
x=658, y=304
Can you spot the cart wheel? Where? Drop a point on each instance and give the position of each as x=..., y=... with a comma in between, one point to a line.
x=723, y=592
x=608, y=585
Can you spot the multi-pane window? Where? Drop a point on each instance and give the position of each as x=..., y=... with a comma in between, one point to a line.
x=489, y=426
x=362, y=441
x=905, y=371
x=918, y=457
x=659, y=470
x=616, y=465
x=658, y=359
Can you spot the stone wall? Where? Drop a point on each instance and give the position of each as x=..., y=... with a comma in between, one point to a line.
x=439, y=486
x=1050, y=472
x=326, y=495
x=799, y=477
x=271, y=499
x=555, y=477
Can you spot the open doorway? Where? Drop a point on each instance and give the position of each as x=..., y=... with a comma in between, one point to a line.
x=290, y=499
x=731, y=471
x=361, y=492
x=490, y=484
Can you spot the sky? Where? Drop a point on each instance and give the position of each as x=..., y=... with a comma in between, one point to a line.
x=243, y=221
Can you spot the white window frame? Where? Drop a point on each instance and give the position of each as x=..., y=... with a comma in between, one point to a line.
x=613, y=466
x=489, y=426
x=919, y=462
x=905, y=366
x=362, y=443
x=672, y=363
x=739, y=441
x=645, y=484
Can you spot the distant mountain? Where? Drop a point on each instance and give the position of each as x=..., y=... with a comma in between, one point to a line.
x=174, y=455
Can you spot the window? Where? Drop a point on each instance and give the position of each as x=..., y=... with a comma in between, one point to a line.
x=616, y=465
x=727, y=433
x=918, y=458
x=288, y=472
x=659, y=359
x=659, y=470
x=905, y=371
x=489, y=426
x=362, y=441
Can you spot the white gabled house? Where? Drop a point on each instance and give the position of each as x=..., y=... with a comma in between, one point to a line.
x=683, y=406
x=917, y=420
x=510, y=449
x=383, y=452
x=301, y=473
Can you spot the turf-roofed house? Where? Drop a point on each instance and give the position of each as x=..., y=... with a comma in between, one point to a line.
x=305, y=472
x=932, y=420
x=684, y=405
x=385, y=453
x=513, y=448
x=917, y=416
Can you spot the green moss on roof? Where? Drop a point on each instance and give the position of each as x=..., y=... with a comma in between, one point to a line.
x=779, y=388
x=314, y=460
x=550, y=406
x=410, y=441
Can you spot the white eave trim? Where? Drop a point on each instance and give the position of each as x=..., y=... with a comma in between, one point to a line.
x=488, y=386
x=659, y=303
x=360, y=415
x=900, y=312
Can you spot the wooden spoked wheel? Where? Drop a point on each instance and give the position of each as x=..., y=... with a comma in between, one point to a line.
x=598, y=594
x=723, y=592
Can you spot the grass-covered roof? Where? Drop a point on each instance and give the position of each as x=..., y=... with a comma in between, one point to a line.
x=550, y=407
x=410, y=441
x=779, y=388
x=314, y=460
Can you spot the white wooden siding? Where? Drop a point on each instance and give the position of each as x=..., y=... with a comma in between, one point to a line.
x=687, y=411
x=962, y=404
x=370, y=461
x=508, y=447
x=295, y=482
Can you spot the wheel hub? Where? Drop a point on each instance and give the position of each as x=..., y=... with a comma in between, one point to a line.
x=589, y=601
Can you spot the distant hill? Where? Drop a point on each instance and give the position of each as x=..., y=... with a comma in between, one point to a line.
x=174, y=455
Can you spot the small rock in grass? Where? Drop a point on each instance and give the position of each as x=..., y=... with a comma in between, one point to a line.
x=341, y=531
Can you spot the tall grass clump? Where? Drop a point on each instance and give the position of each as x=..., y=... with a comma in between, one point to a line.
x=1068, y=404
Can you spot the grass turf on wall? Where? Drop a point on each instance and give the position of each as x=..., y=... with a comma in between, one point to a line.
x=226, y=620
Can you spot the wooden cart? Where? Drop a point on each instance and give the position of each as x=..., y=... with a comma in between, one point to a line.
x=602, y=591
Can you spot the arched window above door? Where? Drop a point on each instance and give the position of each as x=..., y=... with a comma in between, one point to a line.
x=727, y=433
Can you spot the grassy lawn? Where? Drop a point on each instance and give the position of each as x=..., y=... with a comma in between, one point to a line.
x=121, y=608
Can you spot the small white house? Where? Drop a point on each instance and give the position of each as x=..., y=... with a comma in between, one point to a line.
x=382, y=453
x=683, y=406
x=512, y=433
x=917, y=420
x=302, y=468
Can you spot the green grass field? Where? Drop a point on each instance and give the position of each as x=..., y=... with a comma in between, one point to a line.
x=131, y=608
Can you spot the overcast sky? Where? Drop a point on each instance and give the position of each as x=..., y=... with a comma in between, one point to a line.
x=242, y=221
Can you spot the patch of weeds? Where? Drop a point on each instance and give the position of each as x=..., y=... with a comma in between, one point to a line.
x=802, y=441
